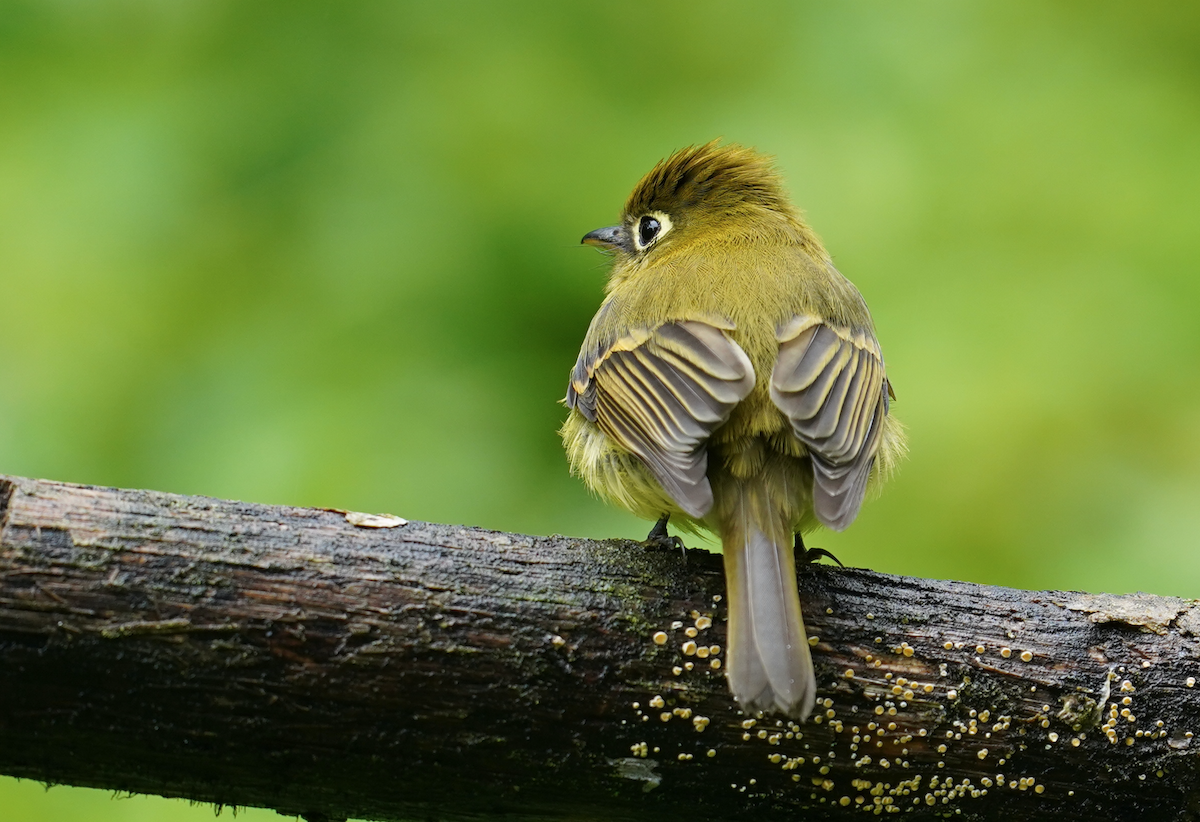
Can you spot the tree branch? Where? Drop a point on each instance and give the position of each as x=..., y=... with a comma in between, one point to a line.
x=285, y=658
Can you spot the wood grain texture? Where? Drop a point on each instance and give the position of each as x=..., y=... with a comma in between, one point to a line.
x=281, y=657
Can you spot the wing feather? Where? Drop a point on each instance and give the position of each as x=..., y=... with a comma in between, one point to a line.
x=661, y=394
x=829, y=382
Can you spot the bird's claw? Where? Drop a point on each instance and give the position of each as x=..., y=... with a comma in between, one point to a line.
x=810, y=556
x=660, y=540
x=813, y=555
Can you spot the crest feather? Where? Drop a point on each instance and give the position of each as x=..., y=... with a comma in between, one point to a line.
x=727, y=178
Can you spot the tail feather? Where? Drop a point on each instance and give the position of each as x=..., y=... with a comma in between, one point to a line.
x=769, y=666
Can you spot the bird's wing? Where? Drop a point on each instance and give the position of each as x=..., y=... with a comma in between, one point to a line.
x=829, y=381
x=660, y=394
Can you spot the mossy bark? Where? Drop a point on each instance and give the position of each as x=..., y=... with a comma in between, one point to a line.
x=285, y=658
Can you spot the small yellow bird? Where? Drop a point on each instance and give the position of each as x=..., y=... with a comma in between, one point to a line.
x=731, y=379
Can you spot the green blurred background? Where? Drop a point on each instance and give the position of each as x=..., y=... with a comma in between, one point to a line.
x=328, y=255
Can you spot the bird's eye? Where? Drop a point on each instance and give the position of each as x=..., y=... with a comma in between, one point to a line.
x=648, y=229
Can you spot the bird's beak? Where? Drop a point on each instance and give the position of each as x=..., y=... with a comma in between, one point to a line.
x=612, y=238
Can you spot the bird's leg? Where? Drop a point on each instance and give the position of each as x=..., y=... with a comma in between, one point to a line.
x=807, y=556
x=660, y=539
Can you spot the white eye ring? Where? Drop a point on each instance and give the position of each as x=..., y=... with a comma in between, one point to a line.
x=650, y=228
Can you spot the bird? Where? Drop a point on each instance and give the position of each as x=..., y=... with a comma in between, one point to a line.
x=731, y=381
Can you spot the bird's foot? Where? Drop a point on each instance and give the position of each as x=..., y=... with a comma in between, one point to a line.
x=808, y=556
x=659, y=540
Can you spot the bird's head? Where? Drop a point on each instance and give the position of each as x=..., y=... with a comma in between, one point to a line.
x=702, y=191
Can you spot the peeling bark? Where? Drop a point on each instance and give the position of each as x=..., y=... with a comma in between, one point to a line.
x=284, y=658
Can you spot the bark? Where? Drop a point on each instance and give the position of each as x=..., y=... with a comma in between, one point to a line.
x=286, y=658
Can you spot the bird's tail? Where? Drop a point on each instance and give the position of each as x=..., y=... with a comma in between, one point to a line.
x=768, y=664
